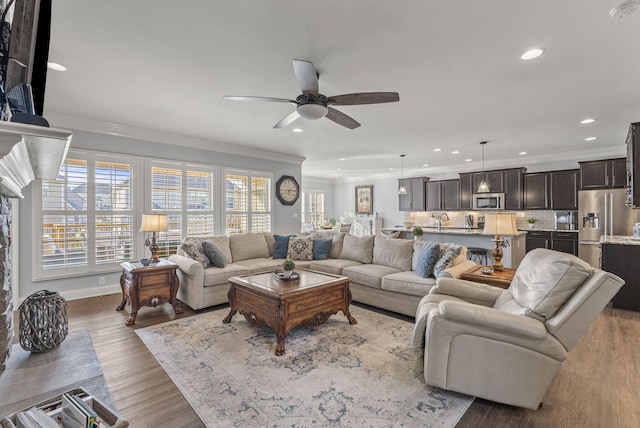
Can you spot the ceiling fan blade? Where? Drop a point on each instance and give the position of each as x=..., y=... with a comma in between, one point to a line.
x=364, y=98
x=287, y=120
x=269, y=99
x=306, y=75
x=341, y=118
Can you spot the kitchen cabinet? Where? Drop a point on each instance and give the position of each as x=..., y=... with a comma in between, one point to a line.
x=615, y=258
x=466, y=191
x=633, y=164
x=514, y=189
x=603, y=174
x=495, y=180
x=564, y=189
x=443, y=195
x=537, y=189
x=567, y=242
x=414, y=200
x=538, y=239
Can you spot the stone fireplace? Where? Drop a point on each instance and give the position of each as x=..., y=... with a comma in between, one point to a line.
x=6, y=304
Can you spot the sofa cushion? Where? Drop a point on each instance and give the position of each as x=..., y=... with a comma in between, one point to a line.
x=222, y=242
x=271, y=242
x=358, y=249
x=333, y=266
x=220, y=276
x=337, y=239
x=281, y=246
x=393, y=252
x=321, y=248
x=408, y=282
x=246, y=246
x=192, y=247
x=429, y=255
x=300, y=248
x=545, y=279
x=215, y=255
x=368, y=274
x=506, y=303
x=448, y=254
x=266, y=264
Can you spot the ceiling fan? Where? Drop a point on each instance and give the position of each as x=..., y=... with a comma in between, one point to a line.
x=311, y=104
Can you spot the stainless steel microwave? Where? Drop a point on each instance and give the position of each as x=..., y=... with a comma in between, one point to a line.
x=488, y=201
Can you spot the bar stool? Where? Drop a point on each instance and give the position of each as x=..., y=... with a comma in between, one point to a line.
x=478, y=255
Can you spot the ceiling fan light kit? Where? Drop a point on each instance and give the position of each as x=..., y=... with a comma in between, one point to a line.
x=311, y=104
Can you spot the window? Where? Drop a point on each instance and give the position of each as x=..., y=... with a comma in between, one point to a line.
x=248, y=202
x=87, y=216
x=313, y=207
x=185, y=193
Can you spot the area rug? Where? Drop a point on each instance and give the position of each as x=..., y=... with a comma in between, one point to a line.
x=30, y=378
x=335, y=374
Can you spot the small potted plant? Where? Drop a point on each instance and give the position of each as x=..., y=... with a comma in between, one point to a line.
x=287, y=268
x=532, y=222
x=417, y=232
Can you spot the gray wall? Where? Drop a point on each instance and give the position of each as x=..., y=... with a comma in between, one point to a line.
x=286, y=218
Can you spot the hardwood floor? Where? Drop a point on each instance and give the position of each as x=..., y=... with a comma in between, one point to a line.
x=597, y=386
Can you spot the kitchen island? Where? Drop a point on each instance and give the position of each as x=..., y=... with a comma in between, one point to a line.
x=617, y=255
x=472, y=237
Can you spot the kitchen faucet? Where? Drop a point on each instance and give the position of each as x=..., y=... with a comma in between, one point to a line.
x=441, y=219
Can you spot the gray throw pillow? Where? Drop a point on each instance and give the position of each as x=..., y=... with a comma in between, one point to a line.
x=448, y=253
x=215, y=255
x=192, y=247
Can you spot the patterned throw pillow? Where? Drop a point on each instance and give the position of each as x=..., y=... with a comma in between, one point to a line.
x=213, y=253
x=448, y=253
x=427, y=259
x=300, y=248
x=192, y=247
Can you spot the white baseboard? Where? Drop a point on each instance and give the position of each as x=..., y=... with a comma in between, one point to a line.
x=83, y=293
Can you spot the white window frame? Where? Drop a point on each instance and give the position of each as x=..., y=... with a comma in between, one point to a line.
x=306, y=213
x=249, y=174
x=91, y=267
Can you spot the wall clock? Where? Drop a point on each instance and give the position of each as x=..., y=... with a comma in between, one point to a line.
x=287, y=190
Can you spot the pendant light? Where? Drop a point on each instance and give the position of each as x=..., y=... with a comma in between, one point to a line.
x=484, y=186
x=402, y=190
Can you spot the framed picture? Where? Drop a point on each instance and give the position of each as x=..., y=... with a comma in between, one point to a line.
x=364, y=199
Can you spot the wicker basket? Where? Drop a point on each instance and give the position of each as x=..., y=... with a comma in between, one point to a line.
x=43, y=321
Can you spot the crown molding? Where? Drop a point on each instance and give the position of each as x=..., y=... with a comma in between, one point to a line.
x=101, y=127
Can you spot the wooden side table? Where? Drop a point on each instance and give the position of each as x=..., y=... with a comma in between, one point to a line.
x=150, y=285
x=498, y=279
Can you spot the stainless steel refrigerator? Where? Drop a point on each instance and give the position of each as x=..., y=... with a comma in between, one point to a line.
x=602, y=212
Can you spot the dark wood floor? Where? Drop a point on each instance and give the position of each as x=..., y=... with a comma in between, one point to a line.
x=598, y=385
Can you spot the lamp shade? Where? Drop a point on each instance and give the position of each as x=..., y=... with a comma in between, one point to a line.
x=500, y=224
x=153, y=223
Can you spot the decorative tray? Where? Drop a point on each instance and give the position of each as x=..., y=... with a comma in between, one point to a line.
x=280, y=276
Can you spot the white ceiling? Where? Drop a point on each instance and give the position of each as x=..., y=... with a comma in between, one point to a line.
x=165, y=66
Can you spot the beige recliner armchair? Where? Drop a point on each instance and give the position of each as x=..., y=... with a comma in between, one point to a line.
x=507, y=345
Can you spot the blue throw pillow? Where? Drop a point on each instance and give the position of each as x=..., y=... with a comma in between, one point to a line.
x=211, y=250
x=281, y=247
x=321, y=248
x=427, y=260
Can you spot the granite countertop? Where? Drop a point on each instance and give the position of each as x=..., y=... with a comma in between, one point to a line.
x=446, y=230
x=619, y=239
x=541, y=229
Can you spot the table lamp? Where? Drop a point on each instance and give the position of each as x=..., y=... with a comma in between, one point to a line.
x=499, y=224
x=153, y=223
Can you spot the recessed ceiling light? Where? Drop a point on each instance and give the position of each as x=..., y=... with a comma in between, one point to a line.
x=455, y=152
x=297, y=130
x=338, y=169
x=390, y=169
x=437, y=150
x=590, y=138
x=588, y=120
x=343, y=159
x=55, y=66
x=522, y=153
x=425, y=164
x=468, y=160
x=532, y=54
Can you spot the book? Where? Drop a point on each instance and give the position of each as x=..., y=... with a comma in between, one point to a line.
x=76, y=413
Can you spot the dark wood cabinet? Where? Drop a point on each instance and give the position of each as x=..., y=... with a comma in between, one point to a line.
x=414, y=200
x=538, y=239
x=495, y=180
x=434, y=196
x=633, y=165
x=603, y=174
x=537, y=189
x=451, y=195
x=564, y=189
x=514, y=189
x=466, y=191
x=567, y=242
x=615, y=259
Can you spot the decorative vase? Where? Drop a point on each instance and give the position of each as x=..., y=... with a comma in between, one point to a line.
x=286, y=274
x=532, y=225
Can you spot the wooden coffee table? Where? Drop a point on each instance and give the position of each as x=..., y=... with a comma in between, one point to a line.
x=283, y=305
x=498, y=279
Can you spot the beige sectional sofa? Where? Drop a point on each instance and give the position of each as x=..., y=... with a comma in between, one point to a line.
x=381, y=269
